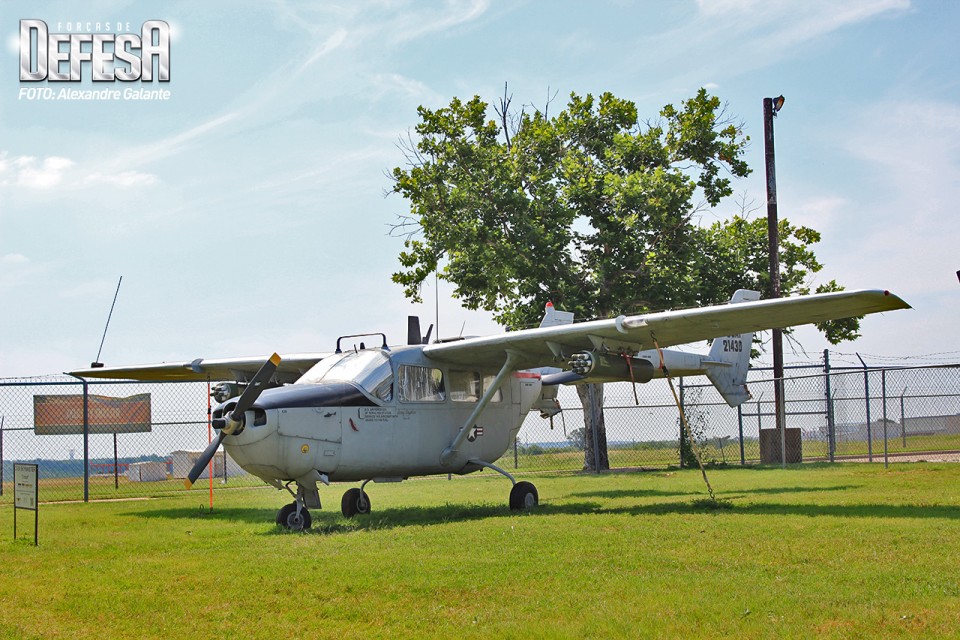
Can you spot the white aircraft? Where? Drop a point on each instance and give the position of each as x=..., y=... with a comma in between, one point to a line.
x=384, y=414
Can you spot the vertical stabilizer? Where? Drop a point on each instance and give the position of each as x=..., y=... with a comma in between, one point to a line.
x=729, y=359
x=554, y=318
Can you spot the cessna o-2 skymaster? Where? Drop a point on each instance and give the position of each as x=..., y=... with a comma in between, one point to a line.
x=384, y=414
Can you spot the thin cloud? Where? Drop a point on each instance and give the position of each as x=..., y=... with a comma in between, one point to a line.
x=416, y=26
x=31, y=172
x=913, y=151
x=124, y=179
x=336, y=39
x=394, y=84
x=401, y=25
x=820, y=212
x=766, y=31
x=89, y=289
x=905, y=140
x=172, y=145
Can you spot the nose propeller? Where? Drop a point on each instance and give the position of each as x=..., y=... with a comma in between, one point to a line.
x=233, y=423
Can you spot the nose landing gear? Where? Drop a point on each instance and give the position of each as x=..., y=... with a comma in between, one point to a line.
x=294, y=517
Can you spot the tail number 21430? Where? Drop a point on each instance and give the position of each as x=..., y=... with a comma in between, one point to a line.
x=732, y=345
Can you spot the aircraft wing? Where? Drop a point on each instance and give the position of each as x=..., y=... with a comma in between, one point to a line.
x=549, y=345
x=201, y=370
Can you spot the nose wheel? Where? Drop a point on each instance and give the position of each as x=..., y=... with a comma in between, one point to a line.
x=294, y=517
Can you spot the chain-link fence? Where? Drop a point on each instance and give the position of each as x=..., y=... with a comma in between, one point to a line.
x=904, y=413
x=143, y=438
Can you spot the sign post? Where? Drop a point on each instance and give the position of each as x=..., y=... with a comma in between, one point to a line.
x=2, y=420
x=25, y=494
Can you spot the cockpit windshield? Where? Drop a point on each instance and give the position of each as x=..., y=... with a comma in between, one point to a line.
x=369, y=368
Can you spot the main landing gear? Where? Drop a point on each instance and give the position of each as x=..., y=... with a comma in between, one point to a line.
x=523, y=495
x=355, y=501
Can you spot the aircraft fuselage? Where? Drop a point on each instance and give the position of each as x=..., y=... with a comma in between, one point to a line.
x=379, y=414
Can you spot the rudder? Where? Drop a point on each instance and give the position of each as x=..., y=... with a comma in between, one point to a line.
x=729, y=359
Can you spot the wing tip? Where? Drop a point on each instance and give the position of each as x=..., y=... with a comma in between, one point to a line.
x=898, y=302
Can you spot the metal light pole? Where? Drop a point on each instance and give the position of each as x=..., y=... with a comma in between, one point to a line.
x=770, y=108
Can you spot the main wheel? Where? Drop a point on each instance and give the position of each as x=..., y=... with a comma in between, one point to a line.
x=523, y=496
x=287, y=517
x=354, y=502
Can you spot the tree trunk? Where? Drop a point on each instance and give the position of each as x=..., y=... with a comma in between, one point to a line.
x=594, y=430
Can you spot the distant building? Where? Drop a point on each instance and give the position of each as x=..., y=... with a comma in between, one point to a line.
x=917, y=426
x=153, y=471
x=183, y=461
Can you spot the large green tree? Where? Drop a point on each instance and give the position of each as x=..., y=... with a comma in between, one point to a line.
x=590, y=208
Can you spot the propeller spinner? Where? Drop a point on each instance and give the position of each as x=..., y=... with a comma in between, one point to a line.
x=233, y=423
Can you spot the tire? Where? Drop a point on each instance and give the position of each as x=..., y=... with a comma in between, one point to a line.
x=523, y=496
x=287, y=518
x=354, y=502
x=284, y=512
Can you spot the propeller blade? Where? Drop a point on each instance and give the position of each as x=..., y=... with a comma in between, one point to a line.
x=247, y=398
x=255, y=388
x=203, y=460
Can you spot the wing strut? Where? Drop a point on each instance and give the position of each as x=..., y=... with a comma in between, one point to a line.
x=447, y=456
x=683, y=417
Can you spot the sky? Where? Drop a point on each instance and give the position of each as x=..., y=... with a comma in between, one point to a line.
x=247, y=212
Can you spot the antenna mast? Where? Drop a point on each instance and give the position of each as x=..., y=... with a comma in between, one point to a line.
x=97, y=364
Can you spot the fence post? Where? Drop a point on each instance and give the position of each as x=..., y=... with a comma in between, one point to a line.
x=680, y=422
x=883, y=395
x=2, y=420
x=831, y=426
x=86, y=443
x=743, y=459
x=903, y=419
x=866, y=395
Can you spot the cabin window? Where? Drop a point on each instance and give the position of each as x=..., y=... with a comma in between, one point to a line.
x=487, y=383
x=464, y=386
x=421, y=384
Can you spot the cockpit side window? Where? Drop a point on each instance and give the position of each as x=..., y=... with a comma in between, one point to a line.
x=421, y=384
x=464, y=386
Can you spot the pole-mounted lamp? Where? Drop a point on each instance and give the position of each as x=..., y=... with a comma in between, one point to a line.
x=770, y=108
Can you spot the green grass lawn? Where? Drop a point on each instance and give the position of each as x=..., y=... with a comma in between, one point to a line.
x=814, y=551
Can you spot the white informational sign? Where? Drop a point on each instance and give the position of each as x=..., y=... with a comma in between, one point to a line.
x=25, y=494
x=25, y=486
